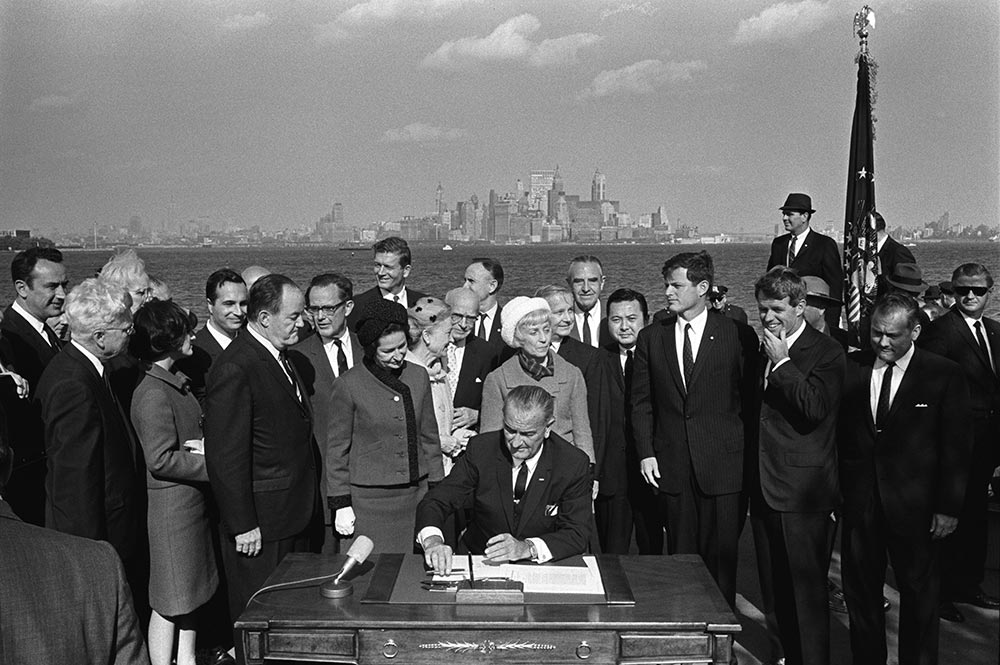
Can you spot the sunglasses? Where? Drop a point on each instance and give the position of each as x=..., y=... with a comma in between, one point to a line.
x=963, y=291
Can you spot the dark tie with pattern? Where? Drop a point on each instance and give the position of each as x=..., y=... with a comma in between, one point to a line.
x=982, y=344
x=585, y=333
x=688, y=357
x=882, y=405
x=791, y=249
x=341, y=358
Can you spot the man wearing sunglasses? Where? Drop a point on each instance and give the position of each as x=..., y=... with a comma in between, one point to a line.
x=973, y=341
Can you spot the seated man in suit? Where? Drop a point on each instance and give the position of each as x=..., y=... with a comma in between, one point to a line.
x=470, y=358
x=530, y=490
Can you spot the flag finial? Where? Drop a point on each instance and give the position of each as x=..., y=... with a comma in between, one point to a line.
x=864, y=21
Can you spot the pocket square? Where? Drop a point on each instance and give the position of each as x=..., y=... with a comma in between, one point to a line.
x=478, y=380
x=551, y=510
x=920, y=406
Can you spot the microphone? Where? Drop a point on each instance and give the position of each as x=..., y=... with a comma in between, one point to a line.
x=359, y=551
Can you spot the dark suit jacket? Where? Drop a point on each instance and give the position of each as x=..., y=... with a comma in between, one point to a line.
x=892, y=253
x=949, y=336
x=205, y=351
x=592, y=364
x=703, y=428
x=478, y=361
x=259, y=444
x=818, y=257
x=24, y=350
x=65, y=599
x=918, y=464
x=96, y=485
x=361, y=302
x=313, y=366
x=619, y=443
x=496, y=344
x=561, y=485
x=797, y=462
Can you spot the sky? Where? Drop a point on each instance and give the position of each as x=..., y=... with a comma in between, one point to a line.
x=266, y=112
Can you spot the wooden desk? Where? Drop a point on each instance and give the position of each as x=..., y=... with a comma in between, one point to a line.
x=679, y=617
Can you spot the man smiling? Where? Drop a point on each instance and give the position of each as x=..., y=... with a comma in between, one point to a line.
x=391, y=265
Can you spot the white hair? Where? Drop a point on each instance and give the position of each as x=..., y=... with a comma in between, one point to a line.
x=127, y=270
x=95, y=304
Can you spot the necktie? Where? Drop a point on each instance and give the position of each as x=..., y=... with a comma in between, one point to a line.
x=521, y=483
x=287, y=366
x=50, y=334
x=453, y=368
x=982, y=343
x=882, y=405
x=627, y=372
x=688, y=356
x=585, y=333
x=791, y=249
x=482, y=326
x=629, y=367
x=341, y=358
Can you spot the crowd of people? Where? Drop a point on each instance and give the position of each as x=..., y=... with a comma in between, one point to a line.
x=552, y=424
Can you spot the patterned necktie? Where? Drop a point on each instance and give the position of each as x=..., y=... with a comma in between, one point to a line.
x=341, y=358
x=482, y=326
x=287, y=366
x=585, y=334
x=882, y=405
x=453, y=368
x=688, y=356
x=982, y=344
x=791, y=249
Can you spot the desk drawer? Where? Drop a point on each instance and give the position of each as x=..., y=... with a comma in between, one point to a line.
x=511, y=647
x=328, y=646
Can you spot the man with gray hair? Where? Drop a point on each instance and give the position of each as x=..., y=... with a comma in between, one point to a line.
x=470, y=358
x=95, y=485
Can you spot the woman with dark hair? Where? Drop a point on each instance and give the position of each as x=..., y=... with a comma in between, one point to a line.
x=383, y=446
x=167, y=419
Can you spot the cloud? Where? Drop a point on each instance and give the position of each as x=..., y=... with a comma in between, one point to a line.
x=245, y=22
x=618, y=7
x=642, y=77
x=365, y=16
x=783, y=20
x=418, y=132
x=49, y=102
x=510, y=42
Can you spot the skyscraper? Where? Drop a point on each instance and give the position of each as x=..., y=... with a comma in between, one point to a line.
x=439, y=200
x=541, y=183
x=597, y=187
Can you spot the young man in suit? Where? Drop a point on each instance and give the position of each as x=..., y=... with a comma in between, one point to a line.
x=321, y=358
x=530, y=490
x=586, y=280
x=794, y=485
x=904, y=440
x=470, y=359
x=226, y=300
x=96, y=485
x=65, y=599
x=971, y=339
x=808, y=252
x=484, y=277
x=28, y=345
x=392, y=264
x=261, y=458
x=691, y=389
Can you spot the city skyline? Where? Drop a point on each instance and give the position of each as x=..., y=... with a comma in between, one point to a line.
x=259, y=113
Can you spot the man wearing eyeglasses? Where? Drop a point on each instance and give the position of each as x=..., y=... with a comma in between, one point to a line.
x=321, y=358
x=470, y=358
x=95, y=485
x=973, y=341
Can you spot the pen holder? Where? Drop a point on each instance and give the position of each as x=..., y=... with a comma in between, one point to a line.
x=490, y=592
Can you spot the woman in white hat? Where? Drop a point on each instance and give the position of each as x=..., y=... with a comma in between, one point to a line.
x=525, y=327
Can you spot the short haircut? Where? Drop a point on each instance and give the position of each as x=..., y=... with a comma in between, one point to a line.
x=493, y=267
x=899, y=302
x=158, y=288
x=628, y=295
x=95, y=304
x=217, y=279
x=585, y=258
x=125, y=269
x=528, y=399
x=971, y=270
x=534, y=318
x=699, y=266
x=394, y=245
x=266, y=294
x=779, y=283
x=24, y=262
x=332, y=279
x=160, y=327
x=553, y=289
x=879, y=221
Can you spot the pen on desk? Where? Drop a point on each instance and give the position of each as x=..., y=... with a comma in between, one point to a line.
x=472, y=574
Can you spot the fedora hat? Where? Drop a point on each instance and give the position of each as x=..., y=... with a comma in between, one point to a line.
x=818, y=289
x=933, y=291
x=946, y=288
x=798, y=202
x=907, y=277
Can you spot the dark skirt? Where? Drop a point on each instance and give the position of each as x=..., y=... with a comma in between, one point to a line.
x=387, y=515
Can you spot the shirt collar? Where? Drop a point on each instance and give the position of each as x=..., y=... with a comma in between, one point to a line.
x=98, y=365
x=595, y=312
x=222, y=338
x=271, y=348
x=969, y=321
x=533, y=462
x=697, y=323
x=492, y=311
x=388, y=295
x=794, y=337
x=901, y=363
x=30, y=318
x=801, y=238
x=345, y=339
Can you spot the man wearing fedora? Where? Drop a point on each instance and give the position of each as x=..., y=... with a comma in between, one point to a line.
x=907, y=279
x=818, y=300
x=808, y=252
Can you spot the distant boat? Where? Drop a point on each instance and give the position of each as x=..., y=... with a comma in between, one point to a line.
x=447, y=248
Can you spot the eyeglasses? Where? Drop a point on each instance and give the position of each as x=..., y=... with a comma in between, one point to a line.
x=963, y=291
x=467, y=318
x=325, y=310
x=127, y=331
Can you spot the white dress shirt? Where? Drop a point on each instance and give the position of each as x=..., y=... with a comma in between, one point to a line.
x=697, y=331
x=594, y=320
x=878, y=372
x=331, y=352
x=222, y=338
x=403, y=298
x=488, y=322
x=971, y=322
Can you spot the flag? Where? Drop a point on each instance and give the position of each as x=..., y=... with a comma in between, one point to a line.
x=860, y=240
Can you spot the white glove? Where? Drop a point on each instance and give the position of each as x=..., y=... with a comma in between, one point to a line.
x=343, y=521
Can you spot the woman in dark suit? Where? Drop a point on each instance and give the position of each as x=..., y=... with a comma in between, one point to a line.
x=167, y=419
x=383, y=446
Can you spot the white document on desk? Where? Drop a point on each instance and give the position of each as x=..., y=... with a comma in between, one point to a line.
x=547, y=578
